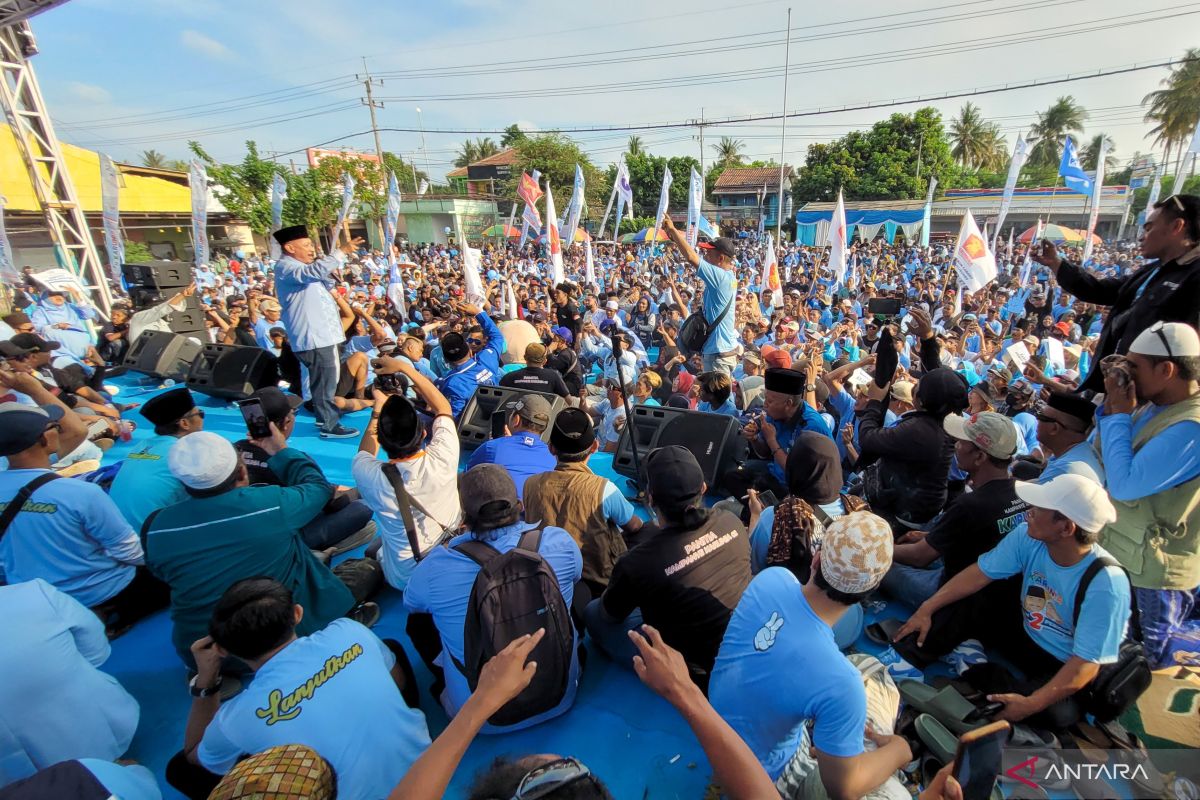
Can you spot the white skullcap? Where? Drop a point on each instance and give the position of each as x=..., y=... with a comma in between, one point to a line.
x=202, y=460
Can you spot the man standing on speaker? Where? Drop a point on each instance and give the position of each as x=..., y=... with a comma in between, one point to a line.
x=155, y=317
x=720, y=287
x=311, y=318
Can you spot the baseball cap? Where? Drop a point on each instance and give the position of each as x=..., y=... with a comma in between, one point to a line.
x=903, y=391
x=856, y=552
x=535, y=353
x=533, y=408
x=776, y=357
x=1079, y=499
x=454, y=347
x=564, y=333
x=202, y=460
x=270, y=304
x=487, y=493
x=675, y=477
x=1162, y=339
x=275, y=404
x=752, y=357
x=572, y=432
x=722, y=244
x=22, y=425
x=10, y=350
x=1064, y=328
x=34, y=343
x=994, y=434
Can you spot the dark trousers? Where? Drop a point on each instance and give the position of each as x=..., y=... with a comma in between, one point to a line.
x=322, y=364
x=992, y=616
x=327, y=529
x=754, y=474
x=190, y=780
x=144, y=595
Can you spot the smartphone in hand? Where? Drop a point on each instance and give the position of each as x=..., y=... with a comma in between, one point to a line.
x=257, y=424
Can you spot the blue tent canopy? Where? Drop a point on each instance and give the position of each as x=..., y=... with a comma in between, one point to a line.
x=855, y=217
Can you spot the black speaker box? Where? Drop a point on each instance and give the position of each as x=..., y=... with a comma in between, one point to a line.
x=161, y=354
x=231, y=371
x=475, y=424
x=714, y=439
x=158, y=274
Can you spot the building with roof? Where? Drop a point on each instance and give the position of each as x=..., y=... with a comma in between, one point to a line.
x=743, y=195
x=481, y=177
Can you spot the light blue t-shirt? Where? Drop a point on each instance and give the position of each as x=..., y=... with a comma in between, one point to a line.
x=331, y=691
x=1081, y=459
x=1168, y=459
x=760, y=537
x=1048, y=598
x=778, y=668
x=720, y=285
x=71, y=535
x=1027, y=424
x=126, y=782
x=441, y=586
x=728, y=408
x=144, y=483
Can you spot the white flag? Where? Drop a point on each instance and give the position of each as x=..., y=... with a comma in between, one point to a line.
x=344, y=211
x=589, y=272
x=1014, y=171
x=975, y=262
x=278, y=193
x=110, y=214
x=472, y=262
x=664, y=197
x=1097, y=191
x=392, y=219
x=198, y=184
x=695, y=199
x=510, y=299
x=624, y=196
x=837, y=240
x=575, y=207
x=770, y=273
x=1027, y=267
x=553, y=240
x=424, y=187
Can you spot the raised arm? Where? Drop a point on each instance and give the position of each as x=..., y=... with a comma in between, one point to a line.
x=680, y=241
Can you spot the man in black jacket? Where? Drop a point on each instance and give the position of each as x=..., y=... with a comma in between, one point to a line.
x=1165, y=290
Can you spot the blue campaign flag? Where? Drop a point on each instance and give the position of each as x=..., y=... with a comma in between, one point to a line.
x=1072, y=173
x=707, y=228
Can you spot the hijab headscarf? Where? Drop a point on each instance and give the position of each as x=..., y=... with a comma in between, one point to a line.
x=942, y=392
x=814, y=468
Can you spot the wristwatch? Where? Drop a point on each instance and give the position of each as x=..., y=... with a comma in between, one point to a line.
x=199, y=691
x=810, y=387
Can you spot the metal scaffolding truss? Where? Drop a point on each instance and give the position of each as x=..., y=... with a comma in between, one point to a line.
x=27, y=115
x=16, y=11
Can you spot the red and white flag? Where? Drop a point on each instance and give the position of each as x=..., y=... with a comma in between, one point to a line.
x=837, y=240
x=770, y=274
x=528, y=189
x=553, y=241
x=975, y=261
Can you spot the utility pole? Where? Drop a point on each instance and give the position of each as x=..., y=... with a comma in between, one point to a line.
x=702, y=173
x=787, y=58
x=372, y=104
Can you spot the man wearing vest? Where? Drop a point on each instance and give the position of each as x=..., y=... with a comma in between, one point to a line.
x=586, y=505
x=1152, y=467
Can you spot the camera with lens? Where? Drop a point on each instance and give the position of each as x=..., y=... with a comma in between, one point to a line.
x=392, y=383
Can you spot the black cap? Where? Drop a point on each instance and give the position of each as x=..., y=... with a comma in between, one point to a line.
x=722, y=244
x=784, y=381
x=168, y=407
x=10, y=350
x=487, y=493
x=21, y=426
x=454, y=347
x=1074, y=405
x=275, y=404
x=399, y=423
x=675, y=477
x=572, y=431
x=291, y=233
x=34, y=343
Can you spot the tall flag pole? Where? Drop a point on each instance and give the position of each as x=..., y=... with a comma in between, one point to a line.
x=114, y=244
x=553, y=240
x=278, y=193
x=198, y=184
x=664, y=197
x=837, y=240
x=695, y=199
x=1097, y=191
x=1014, y=171
x=787, y=55
x=624, y=196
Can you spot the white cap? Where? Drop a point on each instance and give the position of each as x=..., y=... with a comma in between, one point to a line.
x=202, y=460
x=860, y=377
x=612, y=305
x=1079, y=499
x=1167, y=340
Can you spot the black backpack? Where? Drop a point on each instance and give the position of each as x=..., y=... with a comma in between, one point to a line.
x=516, y=593
x=695, y=331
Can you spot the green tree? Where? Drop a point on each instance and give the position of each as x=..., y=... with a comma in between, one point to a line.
x=179, y=165
x=1090, y=154
x=512, y=135
x=243, y=188
x=408, y=177
x=137, y=252
x=556, y=155
x=1053, y=125
x=729, y=152
x=310, y=201
x=1175, y=108
x=891, y=161
x=1140, y=196
x=471, y=151
x=635, y=146
x=370, y=183
x=154, y=159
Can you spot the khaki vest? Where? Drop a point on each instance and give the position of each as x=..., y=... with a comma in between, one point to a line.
x=570, y=498
x=1157, y=538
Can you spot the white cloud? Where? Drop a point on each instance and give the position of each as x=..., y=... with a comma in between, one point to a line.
x=88, y=93
x=194, y=40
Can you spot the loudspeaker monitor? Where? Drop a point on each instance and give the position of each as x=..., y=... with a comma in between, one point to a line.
x=162, y=354
x=475, y=424
x=231, y=371
x=714, y=439
x=158, y=274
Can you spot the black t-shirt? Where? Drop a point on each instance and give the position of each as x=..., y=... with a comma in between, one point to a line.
x=974, y=523
x=566, y=364
x=244, y=337
x=686, y=582
x=255, y=459
x=538, y=379
x=568, y=317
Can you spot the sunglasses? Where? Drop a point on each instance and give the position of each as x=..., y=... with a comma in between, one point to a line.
x=475, y=342
x=1157, y=330
x=1176, y=202
x=550, y=777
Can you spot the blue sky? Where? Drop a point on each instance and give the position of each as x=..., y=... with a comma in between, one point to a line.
x=122, y=76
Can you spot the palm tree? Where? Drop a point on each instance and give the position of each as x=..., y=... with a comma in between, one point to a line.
x=1175, y=107
x=178, y=165
x=1090, y=154
x=1064, y=117
x=154, y=159
x=993, y=149
x=729, y=152
x=485, y=147
x=635, y=146
x=967, y=132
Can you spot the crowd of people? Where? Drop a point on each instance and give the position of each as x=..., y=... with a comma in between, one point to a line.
x=1017, y=469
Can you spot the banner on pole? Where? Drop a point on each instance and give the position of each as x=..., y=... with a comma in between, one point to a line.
x=770, y=273
x=278, y=193
x=472, y=264
x=664, y=197
x=695, y=199
x=347, y=200
x=8, y=269
x=553, y=240
x=198, y=184
x=1097, y=190
x=589, y=272
x=392, y=219
x=1014, y=171
x=575, y=207
x=925, y=220
x=110, y=214
x=530, y=214
x=1071, y=170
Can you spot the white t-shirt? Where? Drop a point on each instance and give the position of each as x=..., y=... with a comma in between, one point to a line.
x=331, y=691
x=431, y=478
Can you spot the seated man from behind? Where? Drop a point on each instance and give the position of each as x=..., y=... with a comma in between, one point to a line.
x=345, y=521
x=588, y=506
x=521, y=452
x=339, y=690
x=716, y=390
x=1074, y=635
x=684, y=577
x=68, y=533
x=780, y=673
x=445, y=584
x=535, y=375
x=228, y=530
